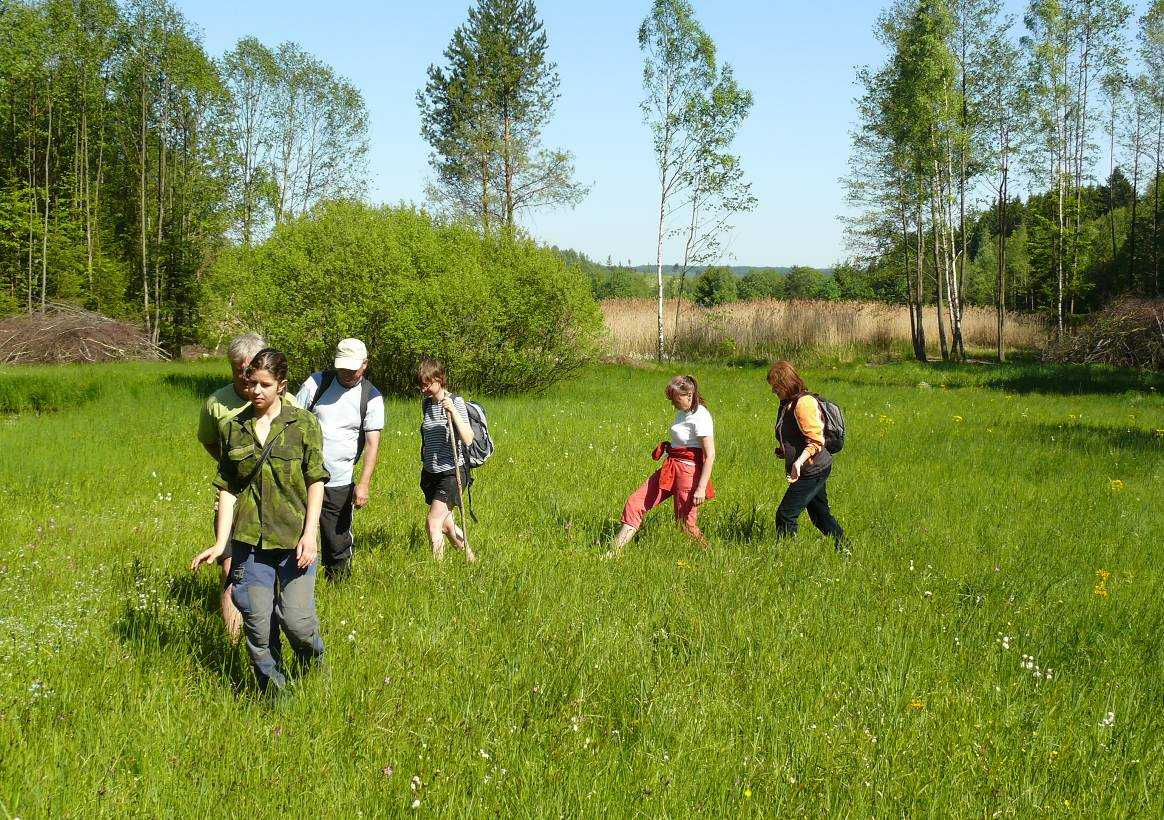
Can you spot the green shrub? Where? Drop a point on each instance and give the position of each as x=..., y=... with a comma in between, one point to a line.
x=715, y=286
x=503, y=314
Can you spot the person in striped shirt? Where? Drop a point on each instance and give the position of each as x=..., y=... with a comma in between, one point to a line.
x=442, y=416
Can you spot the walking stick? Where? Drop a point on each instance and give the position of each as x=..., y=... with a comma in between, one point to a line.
x=460, y=490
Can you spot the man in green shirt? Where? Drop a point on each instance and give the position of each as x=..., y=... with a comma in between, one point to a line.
x=229, y=400
x=220, y=407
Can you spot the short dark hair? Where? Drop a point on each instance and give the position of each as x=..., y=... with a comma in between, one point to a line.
x=430, y=370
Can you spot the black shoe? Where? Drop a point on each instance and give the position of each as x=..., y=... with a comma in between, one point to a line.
x=842, y=545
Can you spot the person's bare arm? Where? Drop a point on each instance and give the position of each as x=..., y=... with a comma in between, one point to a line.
x=222, y=529
x=700, y=494
x=464, y=429
x=308, y=546
x=371, y=453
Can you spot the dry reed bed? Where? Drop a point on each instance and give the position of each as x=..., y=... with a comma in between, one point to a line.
x=763, y=326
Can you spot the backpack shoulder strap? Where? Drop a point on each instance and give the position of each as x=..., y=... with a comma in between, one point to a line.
x=326, y=380
x=365, y=397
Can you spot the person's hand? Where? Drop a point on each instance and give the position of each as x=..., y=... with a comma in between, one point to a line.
x=779, y=451
x=447, y=403
x=699, y=496
x=208, y=556
x=305, y=551
x=794, y=473
x=361, y=496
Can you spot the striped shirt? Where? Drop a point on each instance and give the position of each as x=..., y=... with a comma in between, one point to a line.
x=436, y=449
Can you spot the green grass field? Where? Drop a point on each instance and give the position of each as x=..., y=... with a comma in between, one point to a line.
x=993, y=646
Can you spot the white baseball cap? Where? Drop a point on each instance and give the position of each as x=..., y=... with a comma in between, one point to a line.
x=350, y=354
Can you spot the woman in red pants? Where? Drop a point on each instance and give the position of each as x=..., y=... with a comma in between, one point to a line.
x=685, y=476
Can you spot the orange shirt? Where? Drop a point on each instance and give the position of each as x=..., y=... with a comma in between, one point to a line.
x=811, y=424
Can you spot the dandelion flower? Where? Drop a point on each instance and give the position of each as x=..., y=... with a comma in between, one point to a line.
x=959, y=419
x=1116, y=485
x=916, y=705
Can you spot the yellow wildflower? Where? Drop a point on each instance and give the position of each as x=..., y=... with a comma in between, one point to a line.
x=1100, y=590
x=916, y=705
x=959, y=419
x=1116, y=485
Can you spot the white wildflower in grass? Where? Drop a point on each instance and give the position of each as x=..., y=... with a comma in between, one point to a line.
x=351, y=637
x=484, y=754
x=1004, y=641
x=1108, y=720
x=416, y=803
x=414, y=783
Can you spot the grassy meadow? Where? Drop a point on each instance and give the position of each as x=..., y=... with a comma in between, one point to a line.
x=993, y=645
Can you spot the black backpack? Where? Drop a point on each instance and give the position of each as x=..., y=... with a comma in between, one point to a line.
x=834, y=422
x=365, y=396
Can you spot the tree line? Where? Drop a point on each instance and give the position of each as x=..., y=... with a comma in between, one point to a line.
x=129, y=157
x=969, y=112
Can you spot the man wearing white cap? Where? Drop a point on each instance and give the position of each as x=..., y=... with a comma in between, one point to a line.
x=351, y=413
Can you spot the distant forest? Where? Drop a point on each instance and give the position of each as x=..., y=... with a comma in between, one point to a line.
x=711, y=285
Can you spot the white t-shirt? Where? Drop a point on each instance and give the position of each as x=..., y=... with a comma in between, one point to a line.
x=338, y=411
x=690, y=426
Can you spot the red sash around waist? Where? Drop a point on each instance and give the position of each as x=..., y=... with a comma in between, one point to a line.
x=669, y=472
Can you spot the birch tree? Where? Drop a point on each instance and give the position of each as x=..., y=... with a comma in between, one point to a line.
x=678, y=71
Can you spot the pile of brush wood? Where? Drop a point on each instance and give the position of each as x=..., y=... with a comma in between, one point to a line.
x=1129, y=332
x=62, y=334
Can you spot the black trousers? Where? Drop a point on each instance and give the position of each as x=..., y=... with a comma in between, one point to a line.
x=335, y=525
x=807, y=493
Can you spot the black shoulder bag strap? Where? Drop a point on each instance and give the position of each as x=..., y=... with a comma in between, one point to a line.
x=328, y=376
x=365, y=397
x=271, y=441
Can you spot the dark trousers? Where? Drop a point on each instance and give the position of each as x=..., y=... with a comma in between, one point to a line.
x=807, y=493
x=335, y=529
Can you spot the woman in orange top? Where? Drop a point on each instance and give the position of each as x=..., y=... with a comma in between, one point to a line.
x=807, y=464
x=685, y=476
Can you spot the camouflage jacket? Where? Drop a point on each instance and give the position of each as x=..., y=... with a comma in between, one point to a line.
x=270, y=509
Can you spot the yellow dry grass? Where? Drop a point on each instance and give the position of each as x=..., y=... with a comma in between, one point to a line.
x=764, y=326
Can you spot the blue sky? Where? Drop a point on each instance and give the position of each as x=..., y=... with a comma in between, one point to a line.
x=798, y=60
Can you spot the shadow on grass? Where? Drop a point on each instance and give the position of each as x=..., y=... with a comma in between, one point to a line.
x=195, y=385
x=179, y=614
x=1057, y=380
x=1075, y=380
x=1094, y=437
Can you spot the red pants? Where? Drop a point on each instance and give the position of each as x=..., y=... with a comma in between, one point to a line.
x=651, y=495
